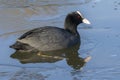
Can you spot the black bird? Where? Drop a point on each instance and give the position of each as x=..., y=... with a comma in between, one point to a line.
x=52, y=38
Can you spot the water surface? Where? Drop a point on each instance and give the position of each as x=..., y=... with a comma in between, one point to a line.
x=99, y=40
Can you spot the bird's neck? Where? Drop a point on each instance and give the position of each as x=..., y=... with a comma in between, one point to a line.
x=72, y=28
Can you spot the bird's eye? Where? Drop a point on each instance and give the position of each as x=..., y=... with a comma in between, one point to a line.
x=78, y=17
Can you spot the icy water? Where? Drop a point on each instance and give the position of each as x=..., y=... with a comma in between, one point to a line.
x=99, y=40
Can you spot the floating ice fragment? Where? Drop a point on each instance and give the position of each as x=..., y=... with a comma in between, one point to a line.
x=113, y=55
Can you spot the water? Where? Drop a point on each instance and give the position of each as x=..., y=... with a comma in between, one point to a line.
x=99, y=40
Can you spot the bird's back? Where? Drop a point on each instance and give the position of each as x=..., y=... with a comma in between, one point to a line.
x=49, y=38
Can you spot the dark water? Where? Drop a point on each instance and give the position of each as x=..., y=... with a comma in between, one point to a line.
x=99, y=40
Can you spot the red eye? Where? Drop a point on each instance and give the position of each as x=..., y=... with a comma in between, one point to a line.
x=78, y=17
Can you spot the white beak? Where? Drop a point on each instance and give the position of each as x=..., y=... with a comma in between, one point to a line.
x=86, y=21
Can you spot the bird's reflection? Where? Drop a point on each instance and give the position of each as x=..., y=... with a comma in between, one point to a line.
x=70, y=54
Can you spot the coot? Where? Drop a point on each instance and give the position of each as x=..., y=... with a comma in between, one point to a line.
x=52, y=38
